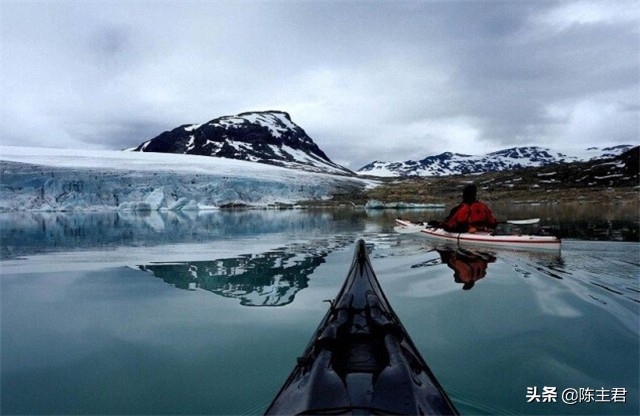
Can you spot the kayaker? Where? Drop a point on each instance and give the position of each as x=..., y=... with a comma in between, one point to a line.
x=470, y=215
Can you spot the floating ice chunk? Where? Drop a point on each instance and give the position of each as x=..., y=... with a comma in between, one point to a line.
x=155, y=199
x=191, y=206
x=375, y=204
x=184, y=204
x=134, y=206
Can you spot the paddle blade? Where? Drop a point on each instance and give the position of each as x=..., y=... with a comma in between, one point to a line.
x=524, y=222
x=408, y=229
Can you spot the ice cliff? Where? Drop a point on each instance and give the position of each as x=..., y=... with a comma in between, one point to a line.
x=41, y=179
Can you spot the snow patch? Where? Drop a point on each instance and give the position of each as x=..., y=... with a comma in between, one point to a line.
x=191, y=143
x=192, y=127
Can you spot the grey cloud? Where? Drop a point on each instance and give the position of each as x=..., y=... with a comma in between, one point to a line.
x=120, y=135
x=394, y=80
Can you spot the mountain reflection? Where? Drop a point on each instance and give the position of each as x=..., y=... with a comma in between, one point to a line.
x=266, y=279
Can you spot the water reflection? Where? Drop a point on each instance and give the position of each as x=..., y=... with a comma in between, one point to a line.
x=468, y=266
x=28, y=233
x=271, y=278
x=613, y=269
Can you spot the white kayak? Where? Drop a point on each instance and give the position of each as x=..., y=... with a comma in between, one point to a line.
x=484, y=238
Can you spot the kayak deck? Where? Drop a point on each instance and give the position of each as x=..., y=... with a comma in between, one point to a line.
x=519, y=241
x=361, y=360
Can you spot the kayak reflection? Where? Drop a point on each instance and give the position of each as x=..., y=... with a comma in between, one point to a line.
x=272, y=278
x=468, y=266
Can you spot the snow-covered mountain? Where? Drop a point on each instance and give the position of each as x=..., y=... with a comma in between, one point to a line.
x=508, y=159
x=269, y=137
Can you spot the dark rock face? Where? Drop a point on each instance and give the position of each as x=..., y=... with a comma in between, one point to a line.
x=266, y=137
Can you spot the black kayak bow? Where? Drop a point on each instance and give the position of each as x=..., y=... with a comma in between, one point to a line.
x=361, y=359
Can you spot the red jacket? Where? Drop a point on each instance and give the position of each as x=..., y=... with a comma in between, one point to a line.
x=476, y=215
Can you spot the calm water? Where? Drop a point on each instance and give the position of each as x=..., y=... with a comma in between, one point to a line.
x=206, y=314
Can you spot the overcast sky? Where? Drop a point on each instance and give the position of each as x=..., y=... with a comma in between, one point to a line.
x=367, y=80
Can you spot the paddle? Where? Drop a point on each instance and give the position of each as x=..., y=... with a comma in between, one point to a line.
x=408, y=229
x=528, y=221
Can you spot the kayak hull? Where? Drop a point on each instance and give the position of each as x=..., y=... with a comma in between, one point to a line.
x=521, y=241
x=361, y=359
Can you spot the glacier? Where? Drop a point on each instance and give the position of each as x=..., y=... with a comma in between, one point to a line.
x=46, y=179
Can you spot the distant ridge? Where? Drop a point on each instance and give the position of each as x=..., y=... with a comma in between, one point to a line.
x=508, y=159
x=269, y=137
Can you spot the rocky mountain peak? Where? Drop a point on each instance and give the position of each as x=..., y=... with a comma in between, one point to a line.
x=258, y=136
x=449, y=163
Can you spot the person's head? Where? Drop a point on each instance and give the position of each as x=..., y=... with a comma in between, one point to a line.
x=469, y=193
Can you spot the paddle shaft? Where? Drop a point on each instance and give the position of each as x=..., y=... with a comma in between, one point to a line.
x=527, y=221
